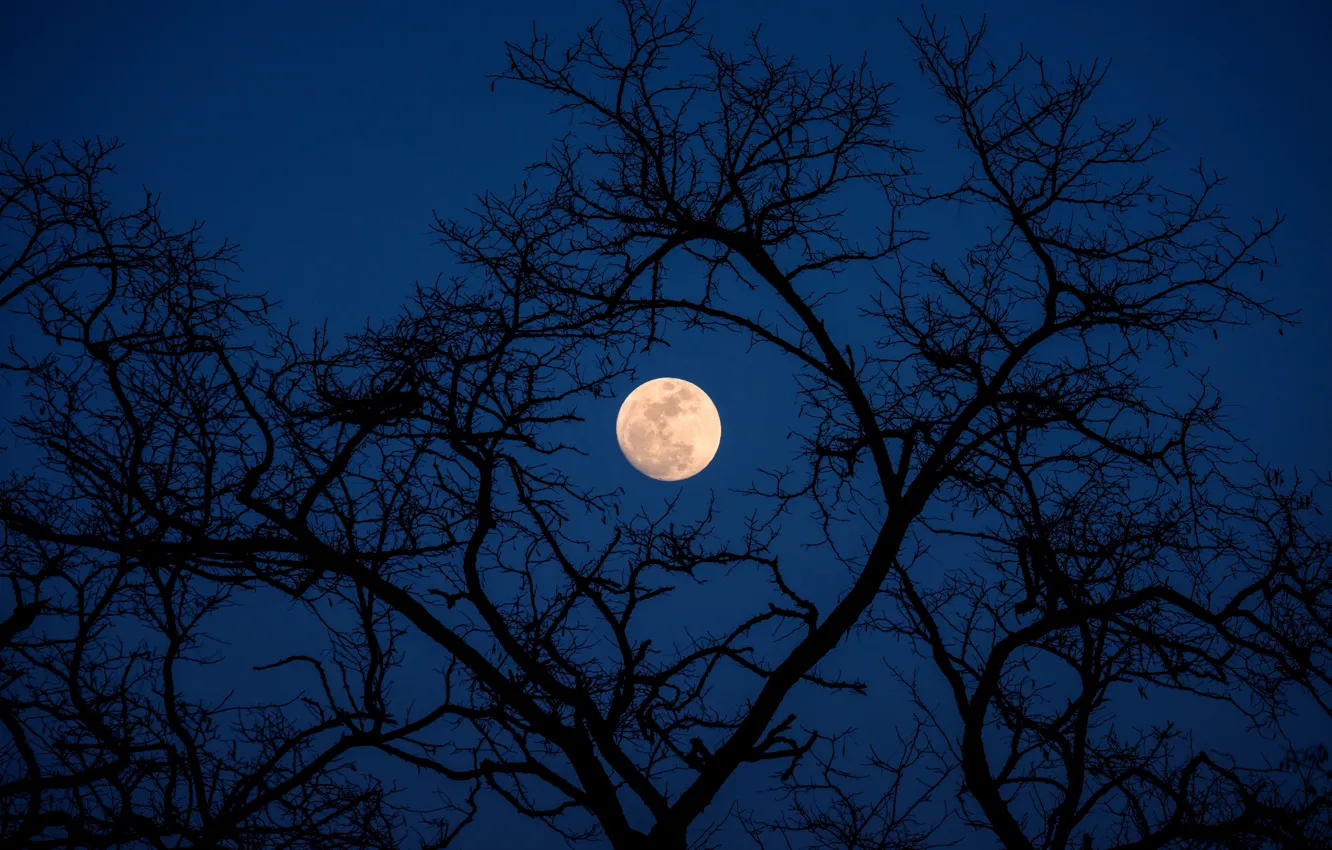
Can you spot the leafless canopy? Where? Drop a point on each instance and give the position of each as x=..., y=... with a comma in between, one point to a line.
x=476, y=618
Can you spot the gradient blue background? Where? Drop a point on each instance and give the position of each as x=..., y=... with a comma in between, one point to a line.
x=320, y=137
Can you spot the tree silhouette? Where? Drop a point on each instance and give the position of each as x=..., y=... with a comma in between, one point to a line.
x=179, y=455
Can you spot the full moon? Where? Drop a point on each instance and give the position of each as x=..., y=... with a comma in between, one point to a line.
x=668, y=429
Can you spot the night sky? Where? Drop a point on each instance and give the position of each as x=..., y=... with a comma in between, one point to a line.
x=322, y=137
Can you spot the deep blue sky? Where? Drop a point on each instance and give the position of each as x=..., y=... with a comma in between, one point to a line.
x=320, y=137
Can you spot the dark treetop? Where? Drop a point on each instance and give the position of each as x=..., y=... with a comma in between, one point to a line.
x=281, y=587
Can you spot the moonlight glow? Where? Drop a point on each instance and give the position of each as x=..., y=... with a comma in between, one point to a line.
x=668, y=429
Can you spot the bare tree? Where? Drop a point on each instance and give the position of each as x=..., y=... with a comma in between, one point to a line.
x=404, y=490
